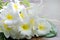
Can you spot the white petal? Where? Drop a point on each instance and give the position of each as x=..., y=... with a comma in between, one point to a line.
x=9, y=22
x=7, y=35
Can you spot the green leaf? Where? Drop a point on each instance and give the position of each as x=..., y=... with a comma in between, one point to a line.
x=53, y=31
x=2, y=37
x=50, y=35
x=26, y=2
x=2, y=3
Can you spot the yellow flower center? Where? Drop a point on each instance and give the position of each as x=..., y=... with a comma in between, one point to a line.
x=6, y=27
x=25, y=26
x=9, y=17
x=21, y=15
x=41, y=27
x=15, y=6
x=32, y=21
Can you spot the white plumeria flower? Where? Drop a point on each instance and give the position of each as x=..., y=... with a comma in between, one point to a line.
x=14, y=33
x=25, y=30
x=23, y=15
x=42, y=27
x=17, y=6
x=26, y=27
x=5, y=29
x=10, y=32
x=9, y=16
x=9, y=20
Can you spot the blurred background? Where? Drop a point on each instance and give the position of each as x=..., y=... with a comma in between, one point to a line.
x=48, y=8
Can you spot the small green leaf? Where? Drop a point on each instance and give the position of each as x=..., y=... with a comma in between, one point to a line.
x=2, y=3
x=53, y=31
x=26, y=2
x=50, y=35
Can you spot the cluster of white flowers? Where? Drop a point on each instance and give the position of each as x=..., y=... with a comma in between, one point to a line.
x=18, y=23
